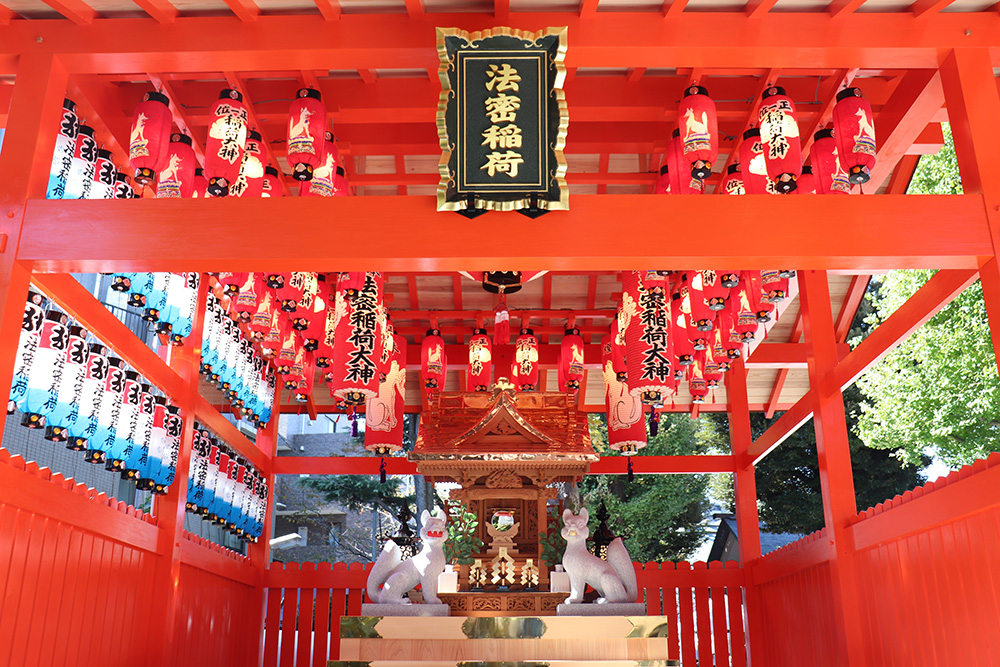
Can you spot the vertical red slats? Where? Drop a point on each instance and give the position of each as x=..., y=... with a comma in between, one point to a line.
x=16, y=586
x=321, y=641
x=272, y=624
x=687, y=620
x=737, y=637
x=305, y=624
x=338, y=601
x=40, y=533
x=289, y=619
x=720, y=631
x=703, y=621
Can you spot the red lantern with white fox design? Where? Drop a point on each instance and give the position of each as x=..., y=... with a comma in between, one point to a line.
x=306, y=123
x=682, y=182
x=227, y=138
x=854, y=129
x=384, y=410
x=150, y=138
x=779, y=133
x=176, y=179
x=433, y=363
x=699, y=127
x=626, y=426
x=570, y=360
x=830, y=178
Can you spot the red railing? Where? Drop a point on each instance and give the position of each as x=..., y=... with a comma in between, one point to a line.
x=928, y=568
x=703, y=605
x=76, y=573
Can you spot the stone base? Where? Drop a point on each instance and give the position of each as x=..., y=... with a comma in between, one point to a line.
x=605, y=609
x=405, y=609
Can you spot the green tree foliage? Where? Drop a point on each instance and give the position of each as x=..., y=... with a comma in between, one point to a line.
x=361, y=492
x=658, y=516
x=938, y=391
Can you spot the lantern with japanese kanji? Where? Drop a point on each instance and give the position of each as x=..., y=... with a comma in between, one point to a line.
x=306, y=120
x=91, y=393
x=432, y=360
x=752, y=165
x=123, y=188
x=384, y=411
x=315, y=330
x=702, y=314
x=66, y=408
x=354, y=371
x=84, y=162
x=103, y=436
x=699, y=126
x=62, y=156
x=150, y=138
x=271, y=186
x=127, y=411
x=250, y=182
x=27, y=345
x=227, y=138
x=682, y=182
x=570, y=360
x=648, y=347
x=854, y=128
x=524, y=372
x=779, y=132
x=626, y=428
x=480, y=361
x=733, y=184
x=103, y=186
x=42, y=393
x=715, y=288
x=830, y=178
x=177, y=178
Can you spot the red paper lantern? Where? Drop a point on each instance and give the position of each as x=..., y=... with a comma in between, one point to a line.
x=830, y=178
x=773, y=286
x=177, y=178
x=350, y=284
x=626, y=427
x=103, y=186
x=271, y=186
x=250, y=181
x=683, y=347
x=306, y=120
x=384, y=411
x=679, y=172
x=316, y=328
x=321, y=184
x=524, y=373
x=232, y=282
x=341, y=187
x=807, y=182
x=702, y=315
x=699, y=131
x=753, y=168
x=743, y=319
x=308, y=380
x=662, y=186
x=570, y=360
x=734, y=181
x=271, y=342
x=480, y=361
x=200, y=189
x=245, y=303
x=759, y=302
x=718, y=349
x=731, y=340
x=433, y=363
x=779, y=131
x=697, y=385
x=148, y=143
x=123, y=188
x=227, y=138
x=358, y=349
x=618, y=345
x=716, y=288
x=648, y=346
x=854, y=129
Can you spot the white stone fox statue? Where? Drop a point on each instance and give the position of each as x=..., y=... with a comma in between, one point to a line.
x=613, y=579
x=396, y=576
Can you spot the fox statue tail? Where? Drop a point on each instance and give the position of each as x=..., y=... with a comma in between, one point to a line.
x=384, y=566
x=619, y=559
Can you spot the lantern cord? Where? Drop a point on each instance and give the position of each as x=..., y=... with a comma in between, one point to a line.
x=381, y=471
x=631, y=475
x=654, y=425
x=501, y=321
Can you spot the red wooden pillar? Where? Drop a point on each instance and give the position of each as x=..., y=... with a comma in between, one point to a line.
x=835, y=474
x=169, y=508
x=260, y=553
x=745, y=488
x=970, y=90
x=32, y=125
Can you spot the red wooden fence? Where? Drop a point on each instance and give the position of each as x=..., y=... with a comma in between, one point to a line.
x=75, y=582
x=929, y=568
x=703, y=604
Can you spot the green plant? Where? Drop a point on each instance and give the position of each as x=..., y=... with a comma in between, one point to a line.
x=462, y=543
x=552, y=544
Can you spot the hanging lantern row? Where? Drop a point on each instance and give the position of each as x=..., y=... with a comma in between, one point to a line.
x=384, y=411
x=80, y=169
x=312, y=151
x=167, y=300
x=225, y=488
x=694, y=334
x=770, y=155
x=230, y=361
x=524, y=370
x=70, y=384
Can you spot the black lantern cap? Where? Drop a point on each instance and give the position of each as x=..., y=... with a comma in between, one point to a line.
x=68, y=104
x=696, y=90
x=271, y=170
x=733, y=168
x=479, y=331
x=254, y=135
x=230, y=94
x=772, y=91
x=663, y=170
x=502, y=282
x=153, y=96
x=849, y=92
x=527, y=331
x=676, y=133
x=104, y=153
x=823, y=134
x=807, y=170
x=309, y=92
x=180, y=138
x=87, y=130
x=752, y=132
x=341, y=172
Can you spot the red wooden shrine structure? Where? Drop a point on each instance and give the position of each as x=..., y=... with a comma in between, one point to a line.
x=916, y=581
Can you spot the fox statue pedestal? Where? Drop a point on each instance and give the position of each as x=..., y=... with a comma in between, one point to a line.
x=392, y=577
x=613, y=579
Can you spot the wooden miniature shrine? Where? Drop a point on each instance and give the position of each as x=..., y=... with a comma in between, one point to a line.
x=506, y=449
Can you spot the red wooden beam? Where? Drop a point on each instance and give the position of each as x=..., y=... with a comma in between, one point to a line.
x=897, y=232
x=588, y=8
x=849, y=309
x=757, y=9
x=6, y=15
x=929, y=7
x=330, y=9
x=782, y=376
x=841, y=8
x=808, y=40
x=501, y=10
x=900, y=181
x=100, y=104
x=76, y=11
x=601, y=180
x=608, y=465
x=928, y=300
x=246, y=10
x=161, y=10
x=674, y=8
x=415, y=8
